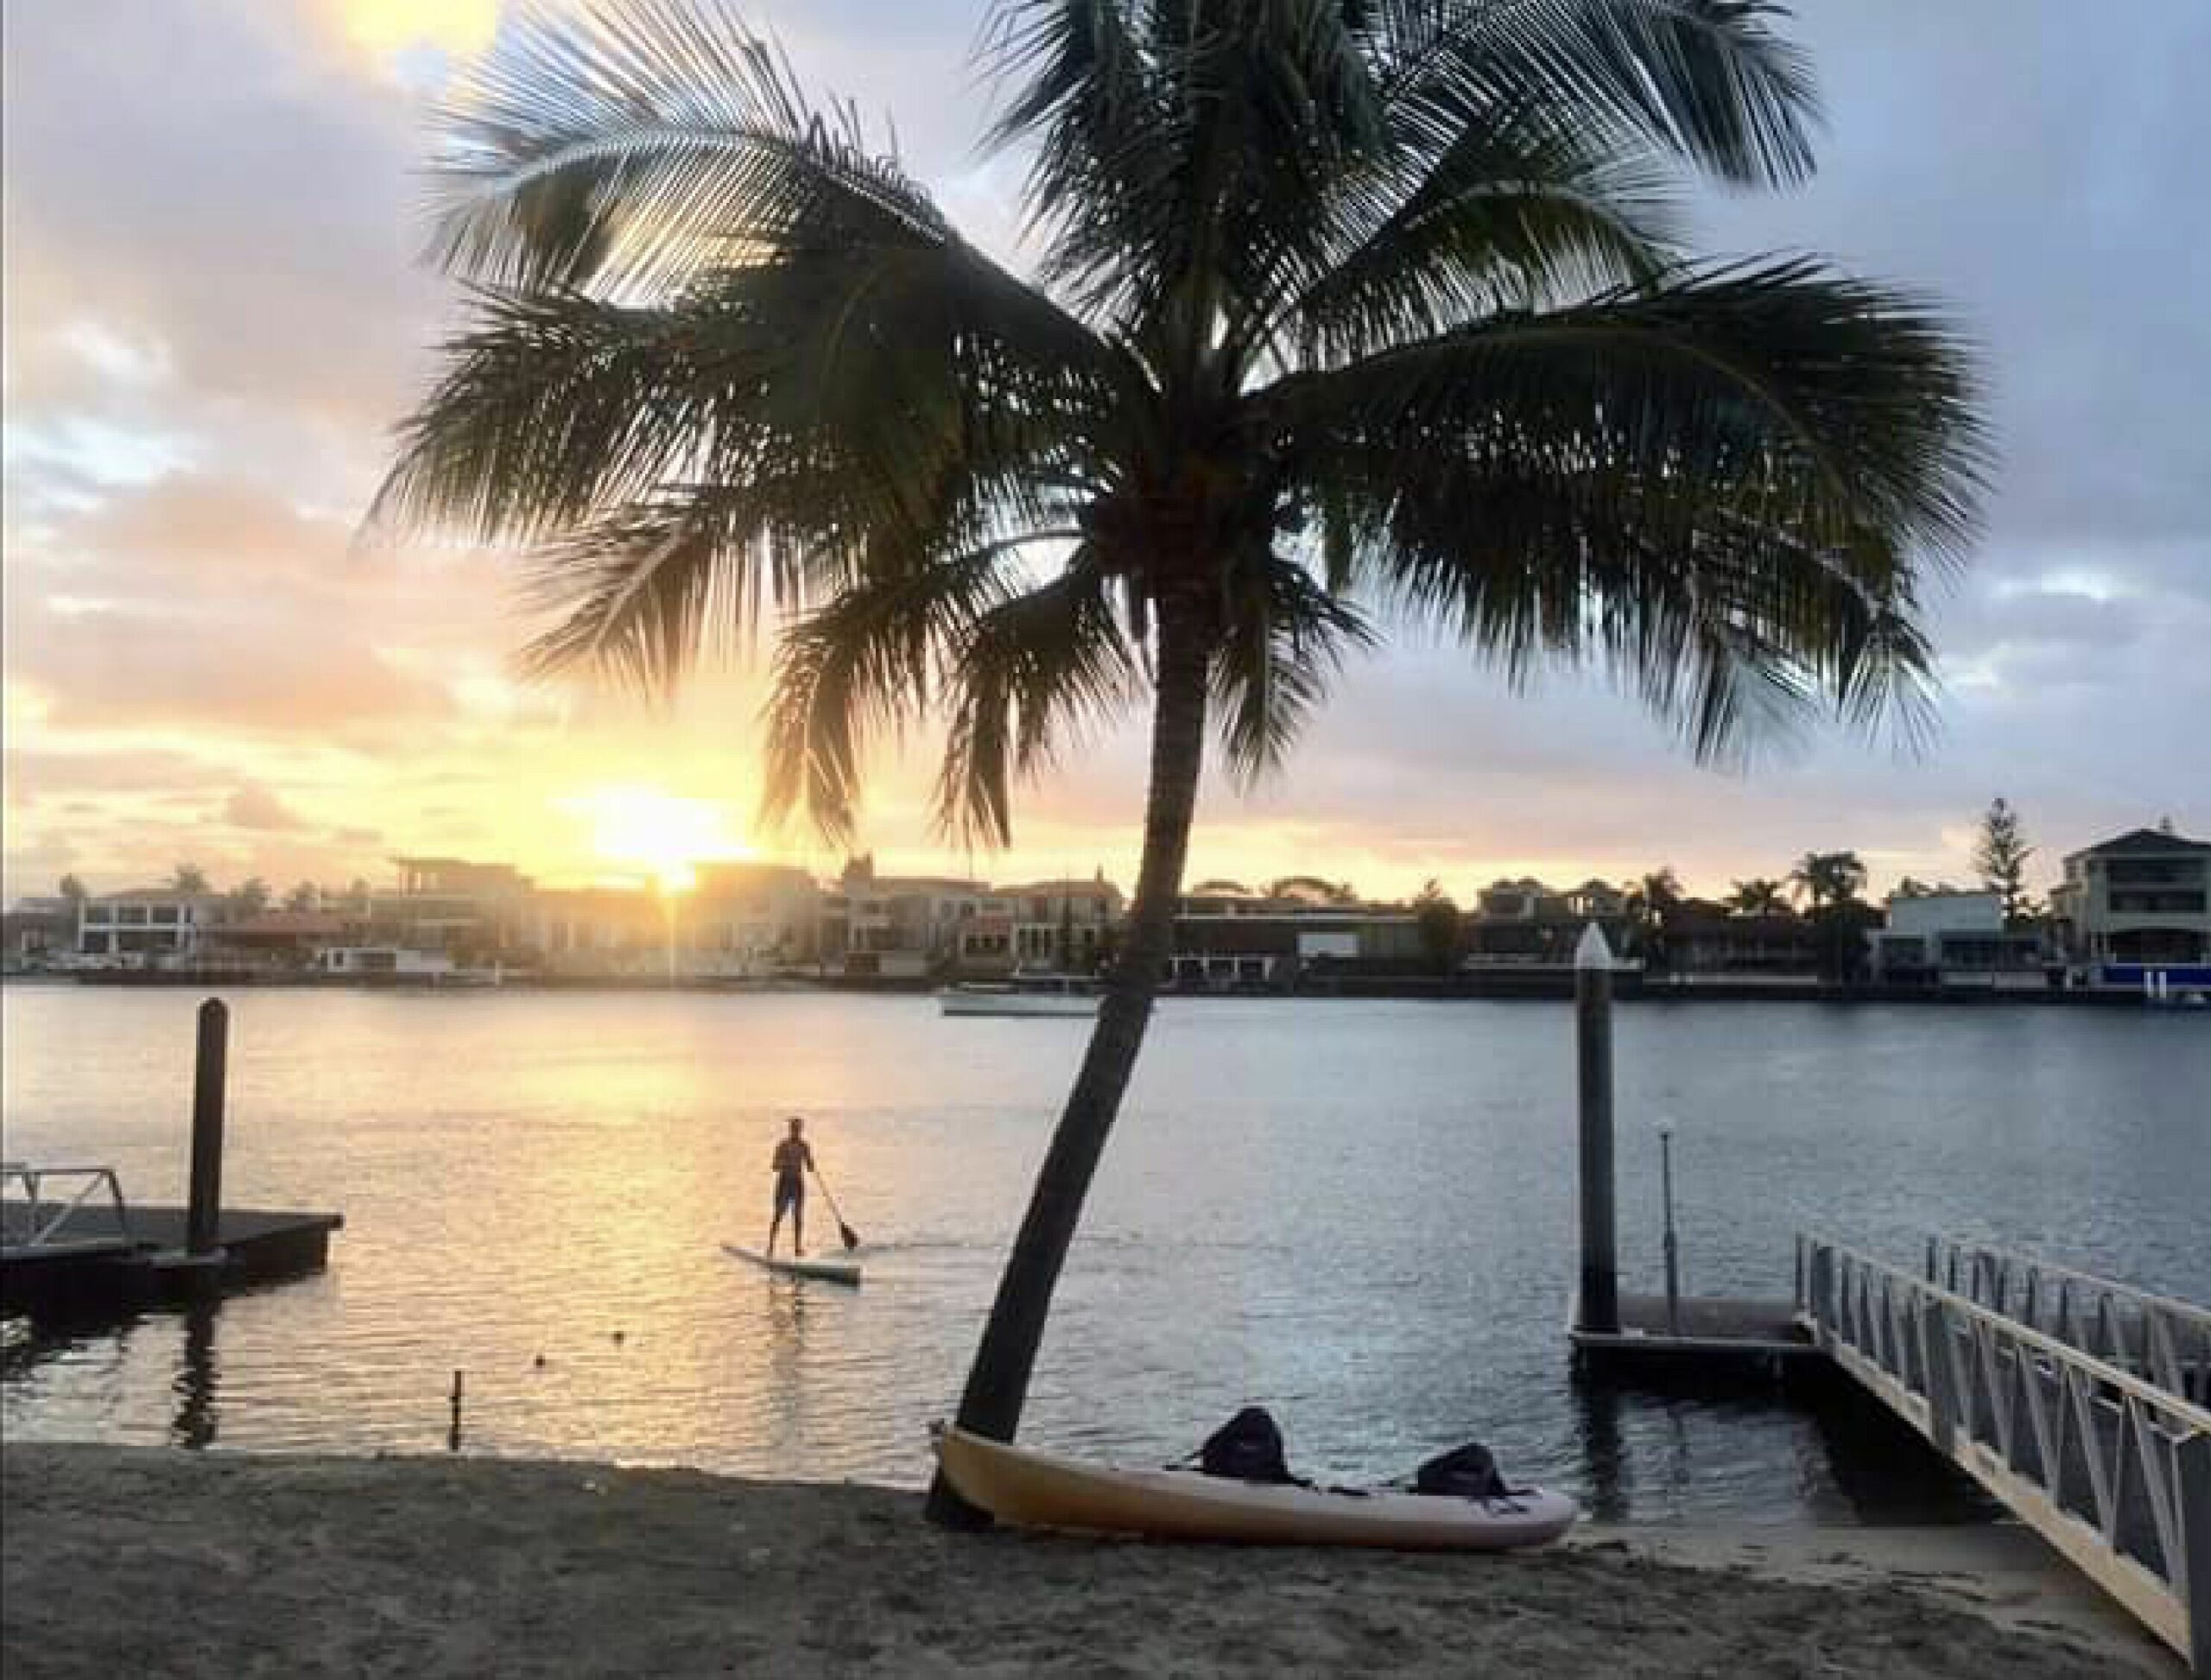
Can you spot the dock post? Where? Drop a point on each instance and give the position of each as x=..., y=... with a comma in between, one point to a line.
x=1593, y=1021
x=1943, y=1397
x=2192, y=1462
x=203, y=1222
x=1673, y=1246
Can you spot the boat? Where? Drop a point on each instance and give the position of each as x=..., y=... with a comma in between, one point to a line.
x=828, y=1271
x=1044, y=1490
x=1022, y=995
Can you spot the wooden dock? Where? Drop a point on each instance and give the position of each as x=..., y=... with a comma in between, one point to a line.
x=1705, y=1336
x=99, y=1265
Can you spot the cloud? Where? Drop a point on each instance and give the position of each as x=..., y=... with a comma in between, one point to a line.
x=252, y=806
x=213, y=316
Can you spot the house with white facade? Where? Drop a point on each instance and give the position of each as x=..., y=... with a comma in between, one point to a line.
x=2137, y=903
x=1948, y=937
x=145, y=927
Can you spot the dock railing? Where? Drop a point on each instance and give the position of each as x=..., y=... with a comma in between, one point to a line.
x=2112, y=1470
x=2154, y=1336
x=45, y=1227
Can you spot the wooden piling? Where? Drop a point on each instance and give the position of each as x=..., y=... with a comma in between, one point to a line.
x=204, y=1211
x=1593, y=1017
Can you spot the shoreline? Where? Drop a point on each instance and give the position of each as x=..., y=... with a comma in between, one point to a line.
x=119, y=1559
x=1504, y=986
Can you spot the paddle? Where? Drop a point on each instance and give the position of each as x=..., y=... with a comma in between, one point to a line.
x=852, y=1236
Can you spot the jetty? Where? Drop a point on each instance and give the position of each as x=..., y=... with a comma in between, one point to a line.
x=71, y=1245
x=2082, y=1405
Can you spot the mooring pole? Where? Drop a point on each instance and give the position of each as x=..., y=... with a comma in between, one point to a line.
x=1592, y=1020
x=203, y=1218
x=1672, y=1247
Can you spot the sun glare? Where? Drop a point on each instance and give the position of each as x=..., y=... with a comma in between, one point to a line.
x=665, y=834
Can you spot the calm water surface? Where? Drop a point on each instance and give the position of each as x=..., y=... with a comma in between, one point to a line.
x=1359, y=1214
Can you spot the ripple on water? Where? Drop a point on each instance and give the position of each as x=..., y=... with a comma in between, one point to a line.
x=1360, y=1215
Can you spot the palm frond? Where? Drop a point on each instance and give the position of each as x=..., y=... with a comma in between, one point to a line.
x=1030, y=673
x=632, y=147
x=1284, y=637
x=1516, y=211
x=863, y=663
x=1708, y=81
x=1832, y=404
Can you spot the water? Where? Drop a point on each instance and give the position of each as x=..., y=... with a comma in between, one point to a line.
x=1360, y=1214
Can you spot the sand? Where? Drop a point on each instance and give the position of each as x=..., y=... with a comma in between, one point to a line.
x=120, y=1561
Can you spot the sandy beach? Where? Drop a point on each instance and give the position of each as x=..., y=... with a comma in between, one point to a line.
x=131, y=1560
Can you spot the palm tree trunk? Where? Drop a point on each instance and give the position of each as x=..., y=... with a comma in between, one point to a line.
x=997, y=1382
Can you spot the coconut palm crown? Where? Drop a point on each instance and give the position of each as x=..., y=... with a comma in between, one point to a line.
x=1343, y=315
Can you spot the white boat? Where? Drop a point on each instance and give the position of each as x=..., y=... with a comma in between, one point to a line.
x=828, y=1271
x=1042, y=1490
x=1024, y=994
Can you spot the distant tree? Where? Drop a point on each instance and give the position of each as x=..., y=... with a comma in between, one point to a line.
x=1827, y=878
x=1649, y=901
x=1437, y=917
x=305, y=896
x=73, y=890
x=1313, y=889
x=187, y=877
x=249, y=898
x=2000, y=853
x=1759, y=897
x=1831, y=882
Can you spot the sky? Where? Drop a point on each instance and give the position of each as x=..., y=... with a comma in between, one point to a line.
x=213, y=316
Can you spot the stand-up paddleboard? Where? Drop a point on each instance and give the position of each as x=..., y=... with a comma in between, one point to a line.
x=829, y=1271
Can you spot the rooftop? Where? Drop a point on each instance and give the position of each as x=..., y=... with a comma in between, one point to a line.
x=2143, y=841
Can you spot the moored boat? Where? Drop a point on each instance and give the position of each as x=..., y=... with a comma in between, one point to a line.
x=1044, y=1489
x=1024, y=994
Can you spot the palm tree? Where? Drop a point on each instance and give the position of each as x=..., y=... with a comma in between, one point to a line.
x=189, y=879
x=1829, y=879
x=1342, y=313
x=1759, y=897
x=1647, y=902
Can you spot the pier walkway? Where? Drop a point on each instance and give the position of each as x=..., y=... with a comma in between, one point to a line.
x=2076, y=1401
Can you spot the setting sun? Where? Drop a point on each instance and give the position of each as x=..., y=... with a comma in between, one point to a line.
x=649, y=828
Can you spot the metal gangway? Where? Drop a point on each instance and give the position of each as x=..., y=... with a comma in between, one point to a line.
x=2050, y=1389
x=42, y=1225
x=2154, y=1336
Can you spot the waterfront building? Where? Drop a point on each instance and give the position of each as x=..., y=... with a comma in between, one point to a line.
x=891, y=926
x=469, y=910
x=2139, y=901
x=1062, y=924
x=1948, y=937
x=1704, y=940
x=279, y=941
x=145, y=927
x=602, y=932
x=1224, y=940
x=1524, y=922
x=36, y=932
x=746, y=920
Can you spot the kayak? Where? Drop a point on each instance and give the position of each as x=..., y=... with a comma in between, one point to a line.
x=1044, y=1490
x=830, y=1271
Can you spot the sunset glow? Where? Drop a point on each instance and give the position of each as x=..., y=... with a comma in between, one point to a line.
x=648, y=829
x=205, y=665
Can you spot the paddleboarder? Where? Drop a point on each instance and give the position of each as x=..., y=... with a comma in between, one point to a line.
x=794, y=1159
